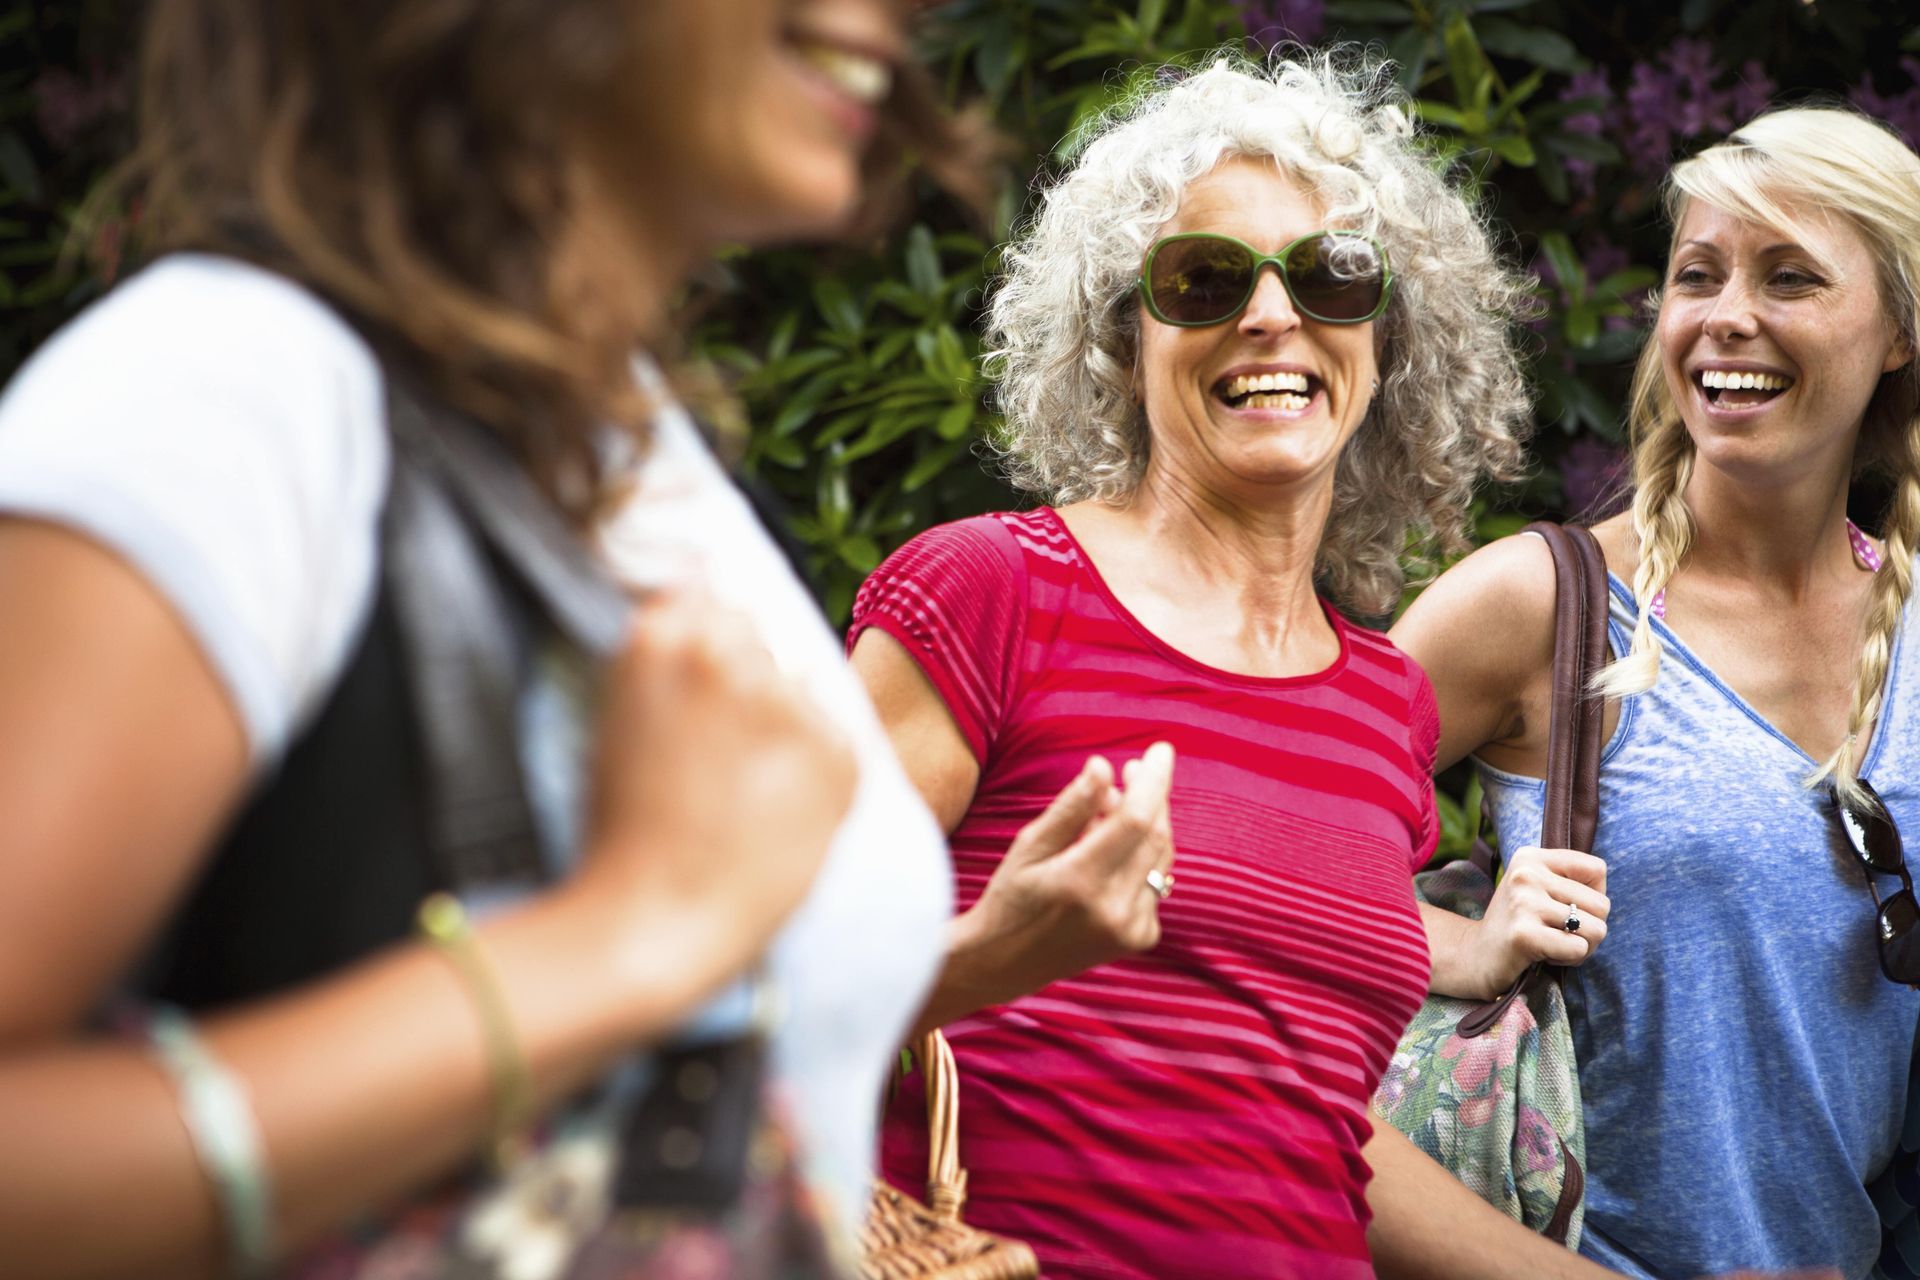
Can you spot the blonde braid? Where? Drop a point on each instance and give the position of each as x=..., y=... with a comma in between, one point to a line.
x=1662, y=466
x=1891, y=587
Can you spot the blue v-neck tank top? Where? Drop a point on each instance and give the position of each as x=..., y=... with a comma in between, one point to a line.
x=1743, y=1061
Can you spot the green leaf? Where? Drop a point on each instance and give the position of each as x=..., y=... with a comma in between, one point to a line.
x=782, y=340
x=785, y=452
x=932, y=465
x=1695, y=14
x=1558, y=251
x=883, y=431
x=1410, y=51
x=1368, y=11
x=888, y=349
x=1537, y=45
x=833, y=501
x=836, y=304
x=1585, y=147
x=1439, y=113
x=18, y=170
x=994, y=59
x=1465, y=62
x=1626, y=280
x=1514, y=149
x=801, y=405
x=923, y=262
x=953, y=424
x=1149, y=17
x=949, y=360
x=1582, y=325
x=1553, y=177
x=859, y=553
x=1516, y=97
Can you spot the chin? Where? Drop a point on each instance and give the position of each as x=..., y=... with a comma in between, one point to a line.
x=811, y=201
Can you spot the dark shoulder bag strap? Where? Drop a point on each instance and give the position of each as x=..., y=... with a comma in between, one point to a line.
x=1573, y=731
x=470, y=543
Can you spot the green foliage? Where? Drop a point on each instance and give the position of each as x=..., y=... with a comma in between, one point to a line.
x=64, y=96
x=859, y=368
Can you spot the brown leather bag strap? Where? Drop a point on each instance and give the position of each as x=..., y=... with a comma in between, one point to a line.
x=1574, y=728
x=1579, y=652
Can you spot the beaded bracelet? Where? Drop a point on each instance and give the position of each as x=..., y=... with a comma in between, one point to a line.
x=219, y=1119
x=443, y=922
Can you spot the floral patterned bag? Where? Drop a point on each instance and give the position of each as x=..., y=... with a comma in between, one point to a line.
x=1490, y=1089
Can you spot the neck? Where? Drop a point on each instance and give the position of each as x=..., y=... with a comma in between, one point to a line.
x=1263, y=555
x=634, y=258
x=1782, y=538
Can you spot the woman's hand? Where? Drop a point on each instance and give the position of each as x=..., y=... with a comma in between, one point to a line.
x=1072, y=891
x=717, y=786
x=1525, y=922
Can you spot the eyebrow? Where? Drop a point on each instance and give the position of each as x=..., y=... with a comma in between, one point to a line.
x=1785, y=246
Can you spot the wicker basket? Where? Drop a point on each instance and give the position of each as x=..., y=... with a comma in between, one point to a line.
x=906, y=1240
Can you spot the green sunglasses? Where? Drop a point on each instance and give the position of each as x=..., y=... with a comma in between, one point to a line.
x=1201, y=278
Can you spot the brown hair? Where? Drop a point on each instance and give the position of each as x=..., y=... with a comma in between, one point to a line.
x=409, y=160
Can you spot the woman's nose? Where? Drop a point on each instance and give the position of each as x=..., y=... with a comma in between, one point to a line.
x=1270, y=310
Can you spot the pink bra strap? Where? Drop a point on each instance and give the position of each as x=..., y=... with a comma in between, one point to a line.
x=1863, y=551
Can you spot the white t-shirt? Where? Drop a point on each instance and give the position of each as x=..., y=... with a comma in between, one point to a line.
x=225, y=432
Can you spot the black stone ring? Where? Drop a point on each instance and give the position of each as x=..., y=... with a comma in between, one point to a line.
x=1572, y=924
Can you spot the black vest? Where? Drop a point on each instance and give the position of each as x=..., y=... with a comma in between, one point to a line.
x=408, y=780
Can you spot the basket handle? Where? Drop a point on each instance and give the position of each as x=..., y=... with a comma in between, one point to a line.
x=946, y=1180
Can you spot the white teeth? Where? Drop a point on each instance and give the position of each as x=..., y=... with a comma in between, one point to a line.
x=1249, y=383
x=1728, y=380
x=1289, y=403
x=865, y=80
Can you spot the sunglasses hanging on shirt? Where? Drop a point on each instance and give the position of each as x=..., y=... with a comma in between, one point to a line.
x=1875, y=841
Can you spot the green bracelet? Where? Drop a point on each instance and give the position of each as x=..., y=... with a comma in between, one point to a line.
x=443, y=922
x=219, y=1118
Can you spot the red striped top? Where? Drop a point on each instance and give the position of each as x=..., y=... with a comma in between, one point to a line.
x=1197, y=1111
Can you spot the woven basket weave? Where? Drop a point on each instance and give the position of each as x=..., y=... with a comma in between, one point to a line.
x=907, y=1240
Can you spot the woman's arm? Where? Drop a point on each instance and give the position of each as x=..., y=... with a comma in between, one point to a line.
x=1428, y=1226
x=1484, y=635
x=1070, y=892
x=122, y=761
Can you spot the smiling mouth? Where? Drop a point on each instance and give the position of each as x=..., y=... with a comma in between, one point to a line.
x=1728, y=389
x=862, y=77
x=1290, y=392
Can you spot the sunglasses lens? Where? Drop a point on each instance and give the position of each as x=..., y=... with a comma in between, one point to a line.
x=1875, y=840
x=1200, y=281
x=1899, y=925
x=1336, y=277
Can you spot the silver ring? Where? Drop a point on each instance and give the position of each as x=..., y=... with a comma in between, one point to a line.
x=1161, y=882
x=1572, y=924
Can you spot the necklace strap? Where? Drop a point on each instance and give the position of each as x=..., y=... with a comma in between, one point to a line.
x=1865, y=554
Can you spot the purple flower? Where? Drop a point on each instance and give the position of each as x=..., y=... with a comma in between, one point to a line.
x=1751, y=92
x=1676, y=98
x=1593, y=475
x=1901, y=110
x=1269, y=22
x=1591, y=124
x=66, y=105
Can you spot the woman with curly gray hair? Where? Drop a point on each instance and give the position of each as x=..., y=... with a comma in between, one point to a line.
x=1251, y=347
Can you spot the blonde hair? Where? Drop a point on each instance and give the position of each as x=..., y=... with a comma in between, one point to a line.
x=1065, y=318
x=1828, y=160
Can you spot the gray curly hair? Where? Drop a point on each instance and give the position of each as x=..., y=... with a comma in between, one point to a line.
x=1064, y=319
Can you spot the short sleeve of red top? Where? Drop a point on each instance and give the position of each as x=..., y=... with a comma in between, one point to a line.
x=1198, y=1110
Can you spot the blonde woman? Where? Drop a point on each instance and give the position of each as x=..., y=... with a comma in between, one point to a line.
x=1743, y=1052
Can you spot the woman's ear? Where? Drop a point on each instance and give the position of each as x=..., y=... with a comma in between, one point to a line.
x=1900, y=355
